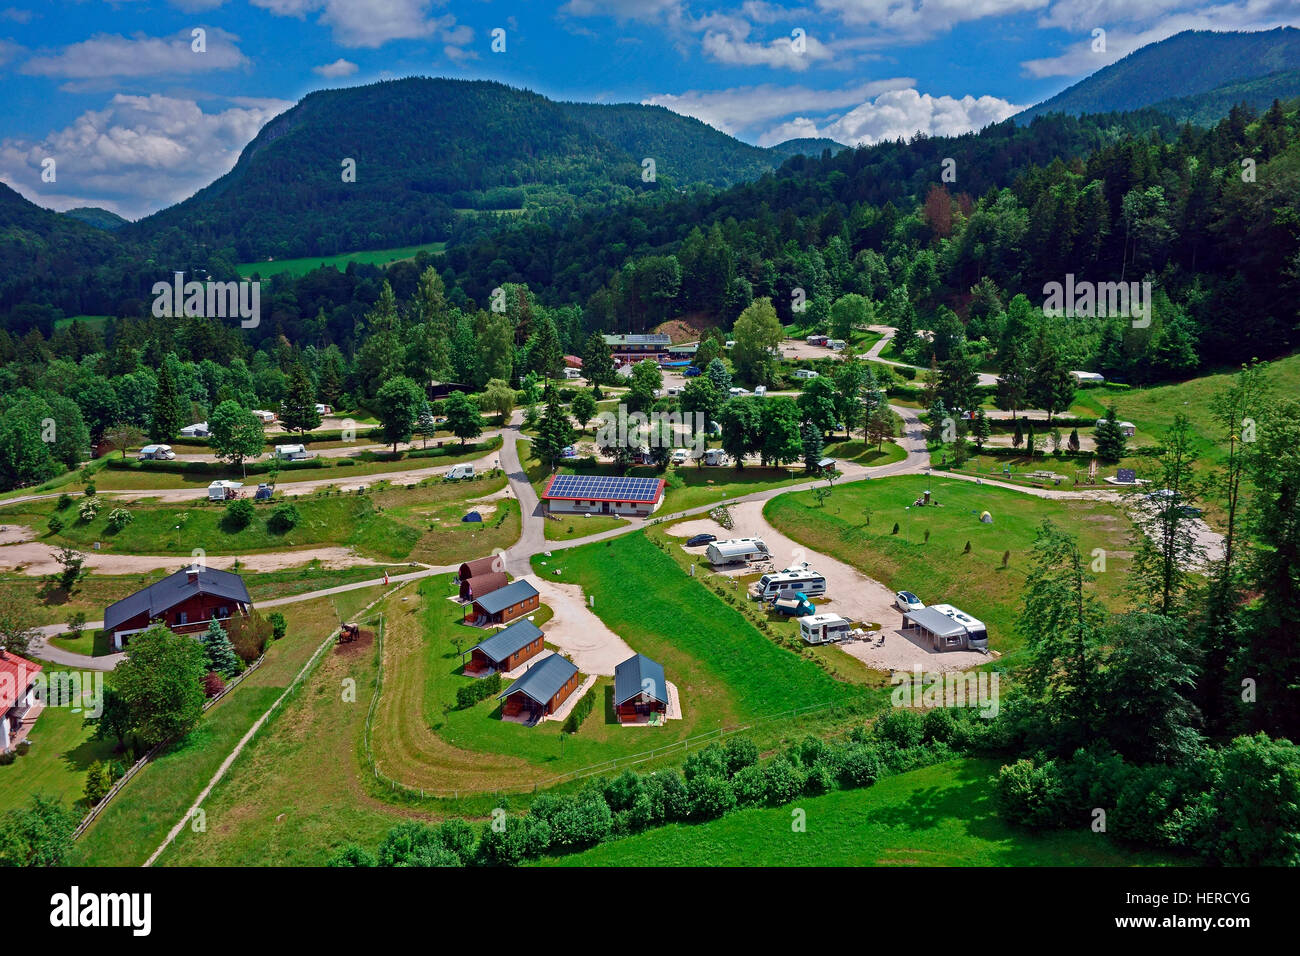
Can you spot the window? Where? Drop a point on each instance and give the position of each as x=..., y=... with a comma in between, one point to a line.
x=182, y=617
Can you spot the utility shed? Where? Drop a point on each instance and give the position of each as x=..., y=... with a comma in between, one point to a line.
x=640, y=689
x=542, y=688
x=481, y=576
x=943, y=633
x=506, y=649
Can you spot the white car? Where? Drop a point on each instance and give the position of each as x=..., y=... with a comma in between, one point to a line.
x=907, y=601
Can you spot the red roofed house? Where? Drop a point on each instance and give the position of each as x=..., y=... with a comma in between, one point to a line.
x=19, y=707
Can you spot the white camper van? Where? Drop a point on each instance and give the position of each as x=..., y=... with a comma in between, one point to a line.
x=458, y=472
x=737, y=551
x=157, y=453
x=823, y=628
x=977, y=635
x=784, y=583
x=715, y=456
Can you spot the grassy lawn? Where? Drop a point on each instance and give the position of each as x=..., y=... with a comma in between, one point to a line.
x=300, y=267
x=138, y=819
x=392, y=522
x=863, y=454
x=938, y=570
x=579, y=526
x=56, y=764
x=935, y=816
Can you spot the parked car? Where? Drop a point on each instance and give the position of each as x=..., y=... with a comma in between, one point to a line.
x=760, y=391
x=907, y=601
x=692, y=371
x=701, y=539
x=681, y=456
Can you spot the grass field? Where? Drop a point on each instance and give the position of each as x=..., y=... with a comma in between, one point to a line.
x=136, y=821
x=861, y=453
x=91, y=321
x=579, y=526
x=936, y=816
x=56, y=764
x=300, y=267
x=938, y=570
x=392, y=522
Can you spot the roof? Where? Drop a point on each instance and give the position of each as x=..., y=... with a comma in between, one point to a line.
x=604, y=488
x=508, y=640
x=818, y=619
x=472, y=569
x=172, y=590
x=481, y=585
x=502, y=598
x=739, y=546
x=639, y=674
x=936, y=622
x=16, y=674
x=544, y=679
x=652, y=338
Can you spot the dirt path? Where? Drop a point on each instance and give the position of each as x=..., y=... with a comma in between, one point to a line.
x=578, y=632
x=35, y=559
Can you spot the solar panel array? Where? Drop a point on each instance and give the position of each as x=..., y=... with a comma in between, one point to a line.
x=603, y=488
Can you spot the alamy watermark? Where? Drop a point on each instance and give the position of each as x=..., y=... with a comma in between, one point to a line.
x=209, y=300
x=1094, y=299
x=978, y=689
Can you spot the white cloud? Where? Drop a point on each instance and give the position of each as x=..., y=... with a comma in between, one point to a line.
x=917, y=19
x=338, y=68
x=643, y=10
x=372, y=23
x=137, y=155
x=16, y=15
x=733, y=48
x=903, y=113
x=112, y=55
x=746, y=108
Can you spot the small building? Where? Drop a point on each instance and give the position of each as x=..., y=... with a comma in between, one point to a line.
x=19, y=706
x=184, y=601
x=823, y=628
x=825, y=464
x=636, y=348
x=292, y=452
x=1093, y=377
x=481, y=576
x=541, y=689
x=573, y=361
x=805, y=373
x=603, y=494
x=503, y=605
x=1128, y=429
x=737, y=551
x=506, y=649
x=197, y=430
x=640, y=690
x=436, y=391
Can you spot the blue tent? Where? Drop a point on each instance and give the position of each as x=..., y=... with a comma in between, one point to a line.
x=472, y=516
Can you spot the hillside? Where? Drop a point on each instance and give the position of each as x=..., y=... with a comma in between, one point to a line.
x=1206, y=109
x=99, y=218
x=806, y=146
x=1192, y=62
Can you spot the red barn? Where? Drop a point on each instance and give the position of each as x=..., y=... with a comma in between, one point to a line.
x=185, y=602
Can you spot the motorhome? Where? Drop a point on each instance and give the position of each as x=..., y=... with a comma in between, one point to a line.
x=977, y=635
x=715, y=456
x=291, y=452
x=681, y=456
x=760, y=391
x=459, y=472
x=785, y=583
x=737, y=551
x=157, y=453
x=572, y=373
x=946, y=628
x=823, y=628
x=221, y=490
x=835, y=344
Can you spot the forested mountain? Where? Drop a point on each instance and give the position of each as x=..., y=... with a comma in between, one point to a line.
x=99, y=218
x=1206, y=109
x=806, y=146
x=1189, y=63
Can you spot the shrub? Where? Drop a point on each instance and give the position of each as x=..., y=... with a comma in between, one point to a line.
x=239, y=514
x=902, y=728
x=88, y=511
x=64, y=502
x=579, y=713
x=278, y=624
x=784, y=781
x=938, y=724
x=98, y=782
x=580, y=823
x=749, y=785
x=860, y=766
x=7, y=758
x=1028, y=793
x=711, y=797
x=821, y=778
x=352, y=855
x=55, y=524
x=90, y=490
x=249, y=636
x=709, y=761
x=740, y=752
x=118, y=519
x=213, y=684
x=284, y=518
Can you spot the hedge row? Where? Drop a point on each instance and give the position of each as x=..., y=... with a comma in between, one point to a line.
x=580, y=712
x=470, y=694
x=262, y=467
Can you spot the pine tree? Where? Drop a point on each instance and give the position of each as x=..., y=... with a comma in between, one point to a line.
x=554, y=431
x=166, y=419
x=221, y=653
x=1109, y=437
x=597, y=362
x=813, y=449
x=298, y=411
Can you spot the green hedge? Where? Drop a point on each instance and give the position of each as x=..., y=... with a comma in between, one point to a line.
x=580, y=712
x=262, y=467
x=471, y=694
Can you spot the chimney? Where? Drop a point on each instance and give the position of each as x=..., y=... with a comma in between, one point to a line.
x=192, y=574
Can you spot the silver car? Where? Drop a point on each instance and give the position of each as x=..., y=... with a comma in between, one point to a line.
x=907, y=601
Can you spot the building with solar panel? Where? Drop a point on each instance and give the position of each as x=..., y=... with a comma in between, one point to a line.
x=603, y=494
x=637, y=348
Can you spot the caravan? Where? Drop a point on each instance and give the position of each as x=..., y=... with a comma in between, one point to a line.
x=823, y=628
x=715, y=456
x=157, y=453
x=737, y=551
x=785, y=583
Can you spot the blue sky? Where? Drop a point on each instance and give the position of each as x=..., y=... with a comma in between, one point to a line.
x=136, y=119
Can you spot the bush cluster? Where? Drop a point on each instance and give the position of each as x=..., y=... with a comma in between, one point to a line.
x=579, y=713
x=470, y=694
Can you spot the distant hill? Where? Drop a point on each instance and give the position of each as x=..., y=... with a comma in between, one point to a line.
x=429, y=151
x=806, y=146
x=1191, y=63
x=1206, y=109
x=99, y=218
